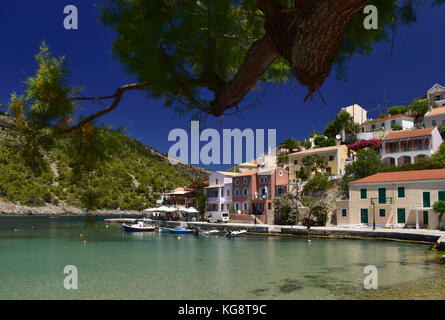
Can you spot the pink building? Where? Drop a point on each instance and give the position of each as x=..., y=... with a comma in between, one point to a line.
x=254, y=191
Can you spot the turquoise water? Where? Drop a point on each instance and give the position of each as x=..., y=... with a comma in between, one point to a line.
x=117, y=265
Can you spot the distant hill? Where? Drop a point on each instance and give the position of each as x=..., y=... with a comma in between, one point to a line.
x=132, y=180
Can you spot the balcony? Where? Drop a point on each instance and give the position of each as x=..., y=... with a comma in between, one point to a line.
x=260, y=197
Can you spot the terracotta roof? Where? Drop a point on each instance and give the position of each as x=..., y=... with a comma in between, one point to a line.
x=246, y=173
x=435, y=112
x=387, y=118
x=408, y=133
x=315, y=150
x=434, y=174
x=226, y=173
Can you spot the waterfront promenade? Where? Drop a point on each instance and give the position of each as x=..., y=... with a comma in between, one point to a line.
x=411, y=235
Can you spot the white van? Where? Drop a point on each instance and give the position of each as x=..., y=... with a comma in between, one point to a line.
x=218, y=217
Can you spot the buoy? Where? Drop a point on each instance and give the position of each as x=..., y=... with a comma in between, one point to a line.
x=32, y=228
x=66, y=234
x=179, y=238
x=84, y=242
x=81, y=235
x=106, y=226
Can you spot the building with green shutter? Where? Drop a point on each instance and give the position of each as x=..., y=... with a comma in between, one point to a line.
x=394, y=199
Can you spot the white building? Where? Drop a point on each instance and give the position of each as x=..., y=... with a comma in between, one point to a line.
x=219, y=191
x=435, y=118
x=384, y=124
x=358, y=113
x=437, y=94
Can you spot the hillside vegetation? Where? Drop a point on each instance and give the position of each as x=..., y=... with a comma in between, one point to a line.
x=132, y=178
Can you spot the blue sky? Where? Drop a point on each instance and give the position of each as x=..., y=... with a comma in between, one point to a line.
x=417, y=64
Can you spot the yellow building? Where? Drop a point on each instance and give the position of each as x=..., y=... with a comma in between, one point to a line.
x=401, y=198
x=335, y=157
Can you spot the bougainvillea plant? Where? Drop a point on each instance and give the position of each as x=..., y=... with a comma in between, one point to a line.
x=362, y=144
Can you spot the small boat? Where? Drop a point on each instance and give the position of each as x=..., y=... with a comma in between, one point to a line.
x=181, y=230
x=234, y=234
x=164, y=229
x=140, y=226
x=213, y=232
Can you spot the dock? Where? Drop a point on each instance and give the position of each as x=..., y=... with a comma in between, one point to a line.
x=121, y=220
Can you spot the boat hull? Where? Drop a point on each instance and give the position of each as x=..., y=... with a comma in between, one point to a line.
x=138, y=229
x=181, y=231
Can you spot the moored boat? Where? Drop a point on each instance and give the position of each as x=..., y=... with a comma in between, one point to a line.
x=140, y=226
x=233, y=234
x=181, y=230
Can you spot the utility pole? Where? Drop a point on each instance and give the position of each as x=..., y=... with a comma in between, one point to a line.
x=386, y=101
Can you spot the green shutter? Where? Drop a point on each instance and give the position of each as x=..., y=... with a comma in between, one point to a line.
x=426, y=200
x=364, y=215
x=401, y=216
x=442, y=195
x=401, y=192
x=382, y=195
x=425, y=217
x=382, y=212
x=363, y=193
x=343, y=212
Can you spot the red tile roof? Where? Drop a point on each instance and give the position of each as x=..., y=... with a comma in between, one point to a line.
x=435, y=112
x=408, y=133
x=387, y=118
x=433, y=174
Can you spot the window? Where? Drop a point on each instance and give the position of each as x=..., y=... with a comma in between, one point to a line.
x=401, y=192
x=269, y=206
x=280, y=173
x=437, y=98
x=393, y=121
x=331, y=158
x=264, y=179
x=441, y=195
x=373, y=126
x=443, y=122
x=382, y=124
x=236, y=192
x=295, y=161
x=382, y=212
x=363, y=194
x=246, y=180
x=216, y=181
x=222, y=206
x=228, y=192
x=328, y=170
x=344, y=212
x=245, y=206
x=382, y=195
x=236, y=181
x=236, y=206
x=426, y=200
x=433, y=123
x=245, y=191
x=392, y=161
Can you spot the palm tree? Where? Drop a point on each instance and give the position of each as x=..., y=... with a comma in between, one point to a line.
x=290, y=144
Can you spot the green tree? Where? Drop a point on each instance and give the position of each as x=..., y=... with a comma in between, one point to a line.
x=368, y=162
x=320, y=182
x=439, y=207
x=290, y=145
x=282, y=160
x=314, y=210
x=397, y=110
x=342, y=121
x=286, y=209
x=314, y=163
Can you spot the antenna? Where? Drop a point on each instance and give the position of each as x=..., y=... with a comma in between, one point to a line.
x=386, y=101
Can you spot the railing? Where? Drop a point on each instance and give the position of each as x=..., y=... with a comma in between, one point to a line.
x=376, y=201
x=260, y=197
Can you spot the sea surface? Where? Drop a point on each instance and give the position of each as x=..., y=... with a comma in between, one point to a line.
x=112, y=264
